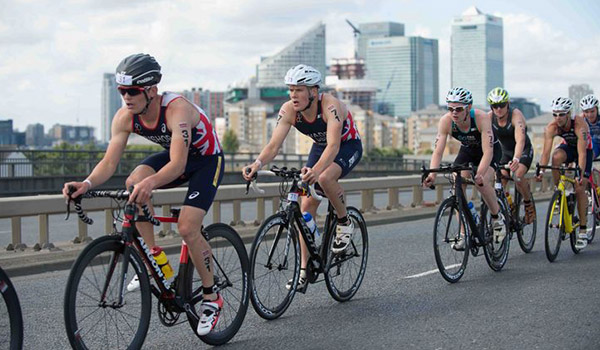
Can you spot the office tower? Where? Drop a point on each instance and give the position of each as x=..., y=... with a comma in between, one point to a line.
x=375, y=30
x=111, y=102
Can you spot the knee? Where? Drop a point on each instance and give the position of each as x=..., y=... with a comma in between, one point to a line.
x=130, y=182
x=326, y=179
x=187, y=231
x=556, y=159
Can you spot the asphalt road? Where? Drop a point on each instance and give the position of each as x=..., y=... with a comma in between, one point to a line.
x=403, y=303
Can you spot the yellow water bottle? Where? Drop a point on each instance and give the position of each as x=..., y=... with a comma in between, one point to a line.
x=509, y=200
x=163, y=262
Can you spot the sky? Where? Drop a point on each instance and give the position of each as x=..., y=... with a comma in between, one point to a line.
x=53, y=53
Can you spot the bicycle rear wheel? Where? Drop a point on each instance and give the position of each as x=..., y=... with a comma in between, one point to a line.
x=274, y=260
x=593, y=212
x=449, y=223
x=345, y=271
x=11, y=319
x=553, y=229
x=496, y=254
x=94, y=318
x=230, y=269
x=526, y=233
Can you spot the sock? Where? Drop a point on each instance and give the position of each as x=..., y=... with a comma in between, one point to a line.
x=302, y=273
x=582, y=229
x=495, y=216
x=344, y=220
x=527, y=202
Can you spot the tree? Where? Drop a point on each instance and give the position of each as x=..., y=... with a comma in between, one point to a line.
x=230, y=142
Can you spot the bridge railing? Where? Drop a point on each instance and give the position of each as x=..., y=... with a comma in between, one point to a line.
x=16, y=208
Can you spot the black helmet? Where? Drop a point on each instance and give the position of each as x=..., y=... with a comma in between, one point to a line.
x=138, y=70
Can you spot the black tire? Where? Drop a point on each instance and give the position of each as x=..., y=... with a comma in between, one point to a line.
x=593, y=213
x=573, y=235
x=230, y=268
x=450, y=262
x=83, y=305
x=11, y=319
x=553, y=233
x=268, y=293
x=345, y=271
x=526, y=233
x=496, y=254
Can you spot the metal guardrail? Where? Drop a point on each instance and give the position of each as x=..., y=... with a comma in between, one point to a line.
x=42, y=206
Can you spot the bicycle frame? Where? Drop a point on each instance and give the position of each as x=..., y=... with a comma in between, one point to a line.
x=566, y=217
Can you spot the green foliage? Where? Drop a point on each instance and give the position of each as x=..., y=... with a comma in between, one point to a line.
x=389, y=152
x=230, y=142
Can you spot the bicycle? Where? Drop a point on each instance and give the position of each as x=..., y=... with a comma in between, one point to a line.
x=275, y=252
x=11, y=319
x=451, y=259
x=563, y=209
x=593, y=194
x=96, y=298
x=526, y=233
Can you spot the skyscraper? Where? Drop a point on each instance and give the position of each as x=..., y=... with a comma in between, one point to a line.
x=111, y=102
x=576, y=93
x=477, y=53
x=308, y=49
x=34, y=135
x=406, y=72
x=374, y=30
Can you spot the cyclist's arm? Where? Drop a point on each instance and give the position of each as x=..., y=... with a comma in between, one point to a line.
x=583, y=133
x=440, y=143
x=285, y=120
x=549, y=134
x=518, y=120
x=487, y=141
x=334, y=114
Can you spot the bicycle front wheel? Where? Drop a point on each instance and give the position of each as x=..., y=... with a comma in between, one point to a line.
x=95, y=317
x=553, y=230
x=230, y=271
x=345, y=271
x=274, y=260
x=496, y=253
x=11, y=319
x=526, y=233
x=451, y=240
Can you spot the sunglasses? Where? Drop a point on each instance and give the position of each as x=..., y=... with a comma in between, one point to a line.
x=499, y=105
x=457, y=109
x=561, y=114
x=132, y=91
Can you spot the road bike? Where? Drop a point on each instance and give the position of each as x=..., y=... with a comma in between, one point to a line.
x=593, y=194
x=456, y=232
x=11, y=319
x=275, y=252
x=101, y=313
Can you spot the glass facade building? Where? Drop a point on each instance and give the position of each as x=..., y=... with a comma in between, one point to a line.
x=308, y=49
x=375, y=30
x=477, y=53
x=111, y=102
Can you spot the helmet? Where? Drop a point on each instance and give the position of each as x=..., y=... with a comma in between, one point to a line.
x=498, y=95
x=138, y=70
x=303, y=75
x=588, y=102
x=562, y=104
x=459, y=95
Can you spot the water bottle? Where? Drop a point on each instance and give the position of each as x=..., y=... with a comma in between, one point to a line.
x=509, y=200
x=312, y=226
x=473, y=213
x=163, y=262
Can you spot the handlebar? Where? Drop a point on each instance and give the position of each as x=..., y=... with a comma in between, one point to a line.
x=447, y=169
x=120, y=195
x=561, y=169
x=292, y=173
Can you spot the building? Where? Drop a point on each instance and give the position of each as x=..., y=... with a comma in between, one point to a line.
x=111, y=102
x=477, y=53
x=308, y=49
x=375, y=30
x=419, y=141
x=360, y=92
x=71, y=134
x=210, y=101
x=528, y=108
x=576, y=93
x=34, y=135
x=6, y=132
x=347, y=68
x=406, y=72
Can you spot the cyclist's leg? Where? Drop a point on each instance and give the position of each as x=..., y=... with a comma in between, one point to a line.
x=310, y=205
x=582, y=200
x=488, y=194
x=521, y=182
x=138, y=174
x=562, y=154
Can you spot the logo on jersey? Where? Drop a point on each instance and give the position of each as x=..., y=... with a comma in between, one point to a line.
x=138, y=127
x=163, y=128
x=194, y=195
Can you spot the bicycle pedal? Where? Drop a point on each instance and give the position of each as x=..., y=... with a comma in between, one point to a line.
x=303, y=289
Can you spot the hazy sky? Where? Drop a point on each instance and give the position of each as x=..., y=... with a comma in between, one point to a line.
x=53, y=53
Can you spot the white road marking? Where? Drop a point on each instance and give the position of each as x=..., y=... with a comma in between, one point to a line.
x=430, y=272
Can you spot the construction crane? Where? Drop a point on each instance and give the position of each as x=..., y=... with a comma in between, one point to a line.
x=356, y=34
x=383, y=108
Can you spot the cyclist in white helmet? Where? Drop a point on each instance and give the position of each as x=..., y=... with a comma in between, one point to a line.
x=577, y=147
x=473, y=128
x=589, y=108
x=517, y=151
x=336, y=150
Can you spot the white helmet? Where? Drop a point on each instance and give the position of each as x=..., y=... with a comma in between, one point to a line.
x=588, y=102
x=303, y=75
x=459, y=95
x=562, y=104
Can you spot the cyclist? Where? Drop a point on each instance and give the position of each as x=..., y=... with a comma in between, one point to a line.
x=473, y=128
x=192, y=153
x=511, y=130
x=589, y=108
x=336, y=150
x=577, y=147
